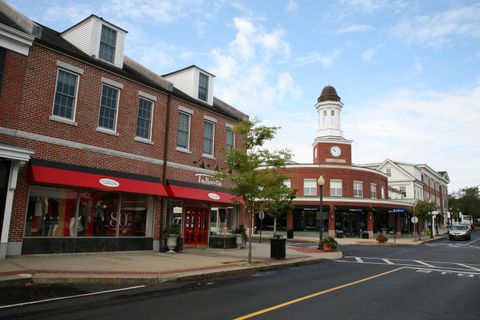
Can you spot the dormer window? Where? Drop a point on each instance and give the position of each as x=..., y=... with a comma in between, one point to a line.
x=203, y=87
x=107, y=44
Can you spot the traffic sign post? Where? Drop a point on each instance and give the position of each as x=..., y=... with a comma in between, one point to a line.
x=261, y=216
x=414, y=221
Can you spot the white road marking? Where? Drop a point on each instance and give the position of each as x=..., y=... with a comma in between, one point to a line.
x=424, y=263
x=473, y=241
x=388, y=261
x=359, y=259
x=70, y=297
x=469, y=267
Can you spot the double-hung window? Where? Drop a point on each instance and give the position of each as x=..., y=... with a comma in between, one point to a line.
x=230, y=139
x=208, y=137
x=357, y=188
x=65, y=95
x=310, y=187
x=108, y=108
x=108, y=40
x=183, y=136
x=335, y=188
x=373, y=190
x=382, y=190
x=144, y=119
x=203, y=87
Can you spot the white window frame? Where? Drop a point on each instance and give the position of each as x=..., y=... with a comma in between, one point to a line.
x=373, y=190
x=189, y=115
x=200, y=74
x=114, y=46
x=388, y=172
x=334, y=191
x=116, y=86
x=228, y=128
x=309, y=187
x=382, y=191
x=358, y=192
x=211, y=121
x=137, y=137
x=287, y=183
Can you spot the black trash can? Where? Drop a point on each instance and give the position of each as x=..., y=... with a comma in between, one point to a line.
x=290, y=234
x=339, y=233
x=277, y=248
x=365, y=235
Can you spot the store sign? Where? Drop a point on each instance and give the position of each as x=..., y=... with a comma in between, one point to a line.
x=208, y=180
x=109, y=183
x=214, y=196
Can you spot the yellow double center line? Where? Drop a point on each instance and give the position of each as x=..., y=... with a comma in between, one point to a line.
x=278, y=306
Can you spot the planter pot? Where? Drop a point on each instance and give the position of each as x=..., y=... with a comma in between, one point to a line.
x=171, y=243
x=327, y=247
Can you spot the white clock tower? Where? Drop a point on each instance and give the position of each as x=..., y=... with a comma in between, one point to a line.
x=330, y=147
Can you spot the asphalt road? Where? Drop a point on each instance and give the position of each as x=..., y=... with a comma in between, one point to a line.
x=438, y=280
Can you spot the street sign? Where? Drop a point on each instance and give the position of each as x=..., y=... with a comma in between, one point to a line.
x=414, y=219
x=261, y=215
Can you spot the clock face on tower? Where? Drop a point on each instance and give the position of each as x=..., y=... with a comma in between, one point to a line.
x=335, y=151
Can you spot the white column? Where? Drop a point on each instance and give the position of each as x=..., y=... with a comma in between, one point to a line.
x=7, y=215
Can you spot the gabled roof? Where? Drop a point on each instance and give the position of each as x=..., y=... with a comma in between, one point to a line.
x=100, y=18
x=186, y=68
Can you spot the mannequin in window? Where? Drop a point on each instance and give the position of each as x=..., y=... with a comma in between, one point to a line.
x=98, y=219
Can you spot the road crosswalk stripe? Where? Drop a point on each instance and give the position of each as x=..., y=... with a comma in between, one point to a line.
x=388, y=261
x=466, y=266
x=359, y=259
x=424, y=263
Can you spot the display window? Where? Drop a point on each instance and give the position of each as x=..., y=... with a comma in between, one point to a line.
x=59, y=212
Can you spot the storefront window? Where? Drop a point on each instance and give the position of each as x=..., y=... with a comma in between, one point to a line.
x=51, y=212
x=56, y=212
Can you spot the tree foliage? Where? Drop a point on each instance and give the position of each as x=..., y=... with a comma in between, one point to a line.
x=424, y=208
x=249, y=183
x=466, y=201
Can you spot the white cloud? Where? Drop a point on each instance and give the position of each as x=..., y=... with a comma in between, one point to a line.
x=326, y=60
x=355, y=28
x=249, y=82
x=365, y=5
x=439, y=29
x=292, y=6
x=436, y=128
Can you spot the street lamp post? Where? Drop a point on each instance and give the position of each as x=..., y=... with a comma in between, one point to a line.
x=321, y=182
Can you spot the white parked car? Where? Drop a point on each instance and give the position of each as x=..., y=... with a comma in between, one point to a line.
x=460, y=231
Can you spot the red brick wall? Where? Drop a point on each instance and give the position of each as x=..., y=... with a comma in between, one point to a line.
x=323, y=153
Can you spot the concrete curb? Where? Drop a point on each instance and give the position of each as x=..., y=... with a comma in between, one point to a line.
x=155, y=280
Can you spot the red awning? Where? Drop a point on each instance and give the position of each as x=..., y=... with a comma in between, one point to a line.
x=200, y=194
x=64, y=177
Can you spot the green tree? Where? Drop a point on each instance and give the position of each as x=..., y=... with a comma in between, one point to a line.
x=467, y=201
x=249, y=183
x=278, y=199
x=424, y=209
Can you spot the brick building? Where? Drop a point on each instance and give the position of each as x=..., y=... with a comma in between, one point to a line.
x=98, y=153
x=355, y=199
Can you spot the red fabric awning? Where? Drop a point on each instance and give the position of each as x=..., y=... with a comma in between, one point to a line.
x=64, y=177
x=200, y=194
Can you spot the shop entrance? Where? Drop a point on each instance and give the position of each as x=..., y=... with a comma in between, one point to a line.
x=196, y=226
x=4, y=175
x=351, y=224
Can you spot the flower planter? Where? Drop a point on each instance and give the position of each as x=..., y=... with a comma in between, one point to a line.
x=327, y=247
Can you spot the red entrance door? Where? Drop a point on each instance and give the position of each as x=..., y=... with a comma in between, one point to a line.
x=196, y=225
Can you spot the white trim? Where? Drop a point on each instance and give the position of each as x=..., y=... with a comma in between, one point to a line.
x=183, y=150
x=87, y=147
x=365, y=201
x=293, y=166
x=117, y=111
x=15, y=40
x=208, y=156
x=314, y=183
x=107, y=131
x=147, y=96
x=179, y=148
x=229, y=125
x=210, y=119
x=63, y=120
x=12, y=152
x=113, y=83
x=214, y=124
x=69, y=67
x=341, y=187
x=143, y=140
x=186, y=110
x=74, y=107
x=150, y=130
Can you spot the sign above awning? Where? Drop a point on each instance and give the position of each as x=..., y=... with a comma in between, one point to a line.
x=200, y=194
x=65, y=177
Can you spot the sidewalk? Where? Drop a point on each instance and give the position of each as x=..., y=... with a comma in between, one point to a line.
x=142, y=267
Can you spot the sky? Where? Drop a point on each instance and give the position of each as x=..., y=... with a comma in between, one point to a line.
x=408, y=72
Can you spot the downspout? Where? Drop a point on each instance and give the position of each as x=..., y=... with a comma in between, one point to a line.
x=163, y=215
